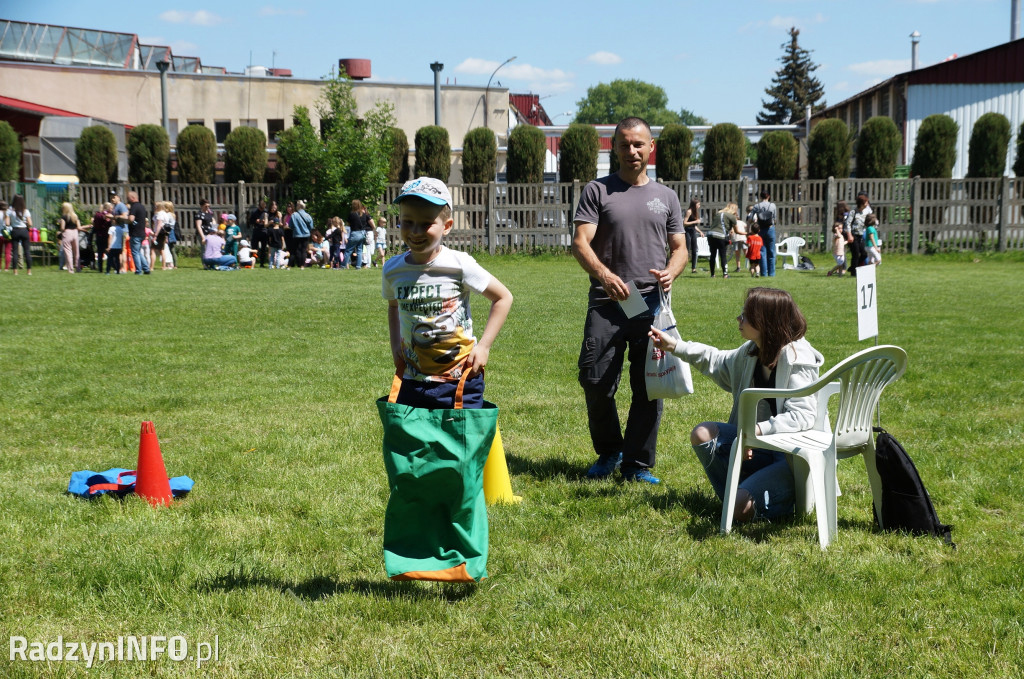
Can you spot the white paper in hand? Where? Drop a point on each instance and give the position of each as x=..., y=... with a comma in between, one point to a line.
x=634, y=305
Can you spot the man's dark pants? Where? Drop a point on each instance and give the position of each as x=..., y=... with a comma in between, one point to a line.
x=608, y=338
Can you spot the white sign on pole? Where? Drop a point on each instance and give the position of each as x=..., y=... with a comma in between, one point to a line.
x=867, y=303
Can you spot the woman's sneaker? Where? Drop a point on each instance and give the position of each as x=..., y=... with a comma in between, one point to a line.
x=605, y=465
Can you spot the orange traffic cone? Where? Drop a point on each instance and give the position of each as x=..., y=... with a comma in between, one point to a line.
x=497, y=485
x=151, y=480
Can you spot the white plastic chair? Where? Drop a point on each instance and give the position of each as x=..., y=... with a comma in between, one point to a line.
x=790, y=248
x=859, y=381
x=703, y=249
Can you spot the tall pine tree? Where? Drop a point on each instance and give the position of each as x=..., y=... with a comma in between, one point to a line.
x=793, y=87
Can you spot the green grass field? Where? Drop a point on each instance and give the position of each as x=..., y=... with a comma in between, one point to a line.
x=261, y=385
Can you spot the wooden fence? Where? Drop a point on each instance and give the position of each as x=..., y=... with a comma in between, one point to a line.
x=916, y=215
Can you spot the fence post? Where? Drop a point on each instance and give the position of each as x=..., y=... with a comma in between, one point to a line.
x=831, y=198
x=742, y=198
x=492, y=215
x=239, y=200
x=1004, y=213
x=915, y=215
x=158, y=191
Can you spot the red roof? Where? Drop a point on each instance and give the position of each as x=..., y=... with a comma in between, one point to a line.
x=1000, y=64
x=29, y=107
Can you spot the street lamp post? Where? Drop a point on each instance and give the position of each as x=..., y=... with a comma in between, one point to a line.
x=915, y=38
x=162, y=66
x=437, y=67
x=487, y=89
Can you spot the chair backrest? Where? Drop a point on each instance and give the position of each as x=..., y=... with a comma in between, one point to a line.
x=862, y=379
x=791, y=245
x=703, y=249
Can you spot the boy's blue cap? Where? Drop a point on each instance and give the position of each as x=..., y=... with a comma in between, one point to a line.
x=429, y=189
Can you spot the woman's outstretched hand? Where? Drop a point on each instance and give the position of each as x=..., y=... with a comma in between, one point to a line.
x=666, y=342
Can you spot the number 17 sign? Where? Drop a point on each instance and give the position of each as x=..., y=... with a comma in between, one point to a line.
x=867, y=303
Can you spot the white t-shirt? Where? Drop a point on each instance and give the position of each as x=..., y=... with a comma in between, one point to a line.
x=116, y=236
x=433, y=309
x=382, y=235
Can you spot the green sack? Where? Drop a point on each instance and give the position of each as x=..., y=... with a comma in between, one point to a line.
x=435, y=527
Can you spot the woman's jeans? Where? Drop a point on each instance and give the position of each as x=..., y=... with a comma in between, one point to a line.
x=768, y=252
x=20, y=238
x=691, y=245
x=767, y=477
x=718, y=247
x=356, y=241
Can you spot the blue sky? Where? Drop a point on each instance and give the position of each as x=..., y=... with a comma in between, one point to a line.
x=713, y=58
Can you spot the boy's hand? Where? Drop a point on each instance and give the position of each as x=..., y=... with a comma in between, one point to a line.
x=666, y=342
x=477, y=359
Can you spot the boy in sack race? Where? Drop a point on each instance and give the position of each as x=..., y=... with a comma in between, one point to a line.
x=438, y=429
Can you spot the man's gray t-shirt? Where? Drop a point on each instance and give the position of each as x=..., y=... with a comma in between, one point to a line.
x=633, y=224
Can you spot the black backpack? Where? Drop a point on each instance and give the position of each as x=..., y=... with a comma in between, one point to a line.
x=765, y=218
x=905, y=502
x=805, y=264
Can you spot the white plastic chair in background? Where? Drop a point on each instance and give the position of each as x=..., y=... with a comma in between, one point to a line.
x=703, y=250
x=790, y=247
x=859, y=381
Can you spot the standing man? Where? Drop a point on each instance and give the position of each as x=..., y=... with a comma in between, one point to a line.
x=258, y=225
x=137, y=217
x=767, y=215
x=623, y=224
x=302, y=227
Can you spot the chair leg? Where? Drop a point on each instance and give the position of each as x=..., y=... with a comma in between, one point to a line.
x=821, y=508
x=831, y=492
x=732, y=483
x=874, y=479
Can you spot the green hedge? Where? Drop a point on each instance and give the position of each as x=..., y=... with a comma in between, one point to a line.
x=479, y=156
x=433, y=153
x=878, y=145
x=673, y=151
x=990, y=142
x=149, y=150
x=197, y=155
x=10, y=153
x=245, y=155
x=398, y=167
x=526, y=151
x=777, y=155
x=724, y=152
x=828, y=150
x=96, y=156
x=935, y=147
x=579, y=148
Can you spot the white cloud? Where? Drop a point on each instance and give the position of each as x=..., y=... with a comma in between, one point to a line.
x=269, y=11
x=184, y=48
x=513, y=70
x=198, y=18
x=604, y=58
x=784, y=22
x=841, y=86
x=152, y=40
x=880, y=68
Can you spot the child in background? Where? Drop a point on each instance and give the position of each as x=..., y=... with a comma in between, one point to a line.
x=872, y=241
x=148, y=250
x=115, y=246
x=380, y=236
x=429, y=320
x=232, y=236
x=754, y=245
x=245, y=258
x=368, y=249
x=275, y=239
x=739, y=241
x=838, y=250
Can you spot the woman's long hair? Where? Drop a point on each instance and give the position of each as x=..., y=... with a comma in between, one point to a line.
x=694, y=209
x=774, y=313
x=18, y=205
x=841, y=209
x=357, y=206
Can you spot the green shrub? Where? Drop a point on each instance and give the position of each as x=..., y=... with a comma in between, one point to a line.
x=96, y=156
x=990, y=142
x=828, y=150
x=878, y=145
x=398, y=168
x=245, y=155
x=433, y=153
x=724, y=152
x=10, y=153
x=579, y=149
x=197, y=155
x=935, y=147
x=777, y=154
x=479, y=156
x=149, y=150
x=674, y=149
x=526, y=151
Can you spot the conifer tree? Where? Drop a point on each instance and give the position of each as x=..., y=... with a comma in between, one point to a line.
x=793, y=87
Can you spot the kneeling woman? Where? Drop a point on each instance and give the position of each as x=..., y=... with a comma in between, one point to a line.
x=775, y=355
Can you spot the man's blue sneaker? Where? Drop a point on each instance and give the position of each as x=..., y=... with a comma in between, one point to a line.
x=605, y=465
x=643, y=475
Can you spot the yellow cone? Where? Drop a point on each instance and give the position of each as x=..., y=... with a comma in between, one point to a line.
x=497, y=485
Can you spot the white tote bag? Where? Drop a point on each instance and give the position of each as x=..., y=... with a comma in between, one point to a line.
x=667, y=375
